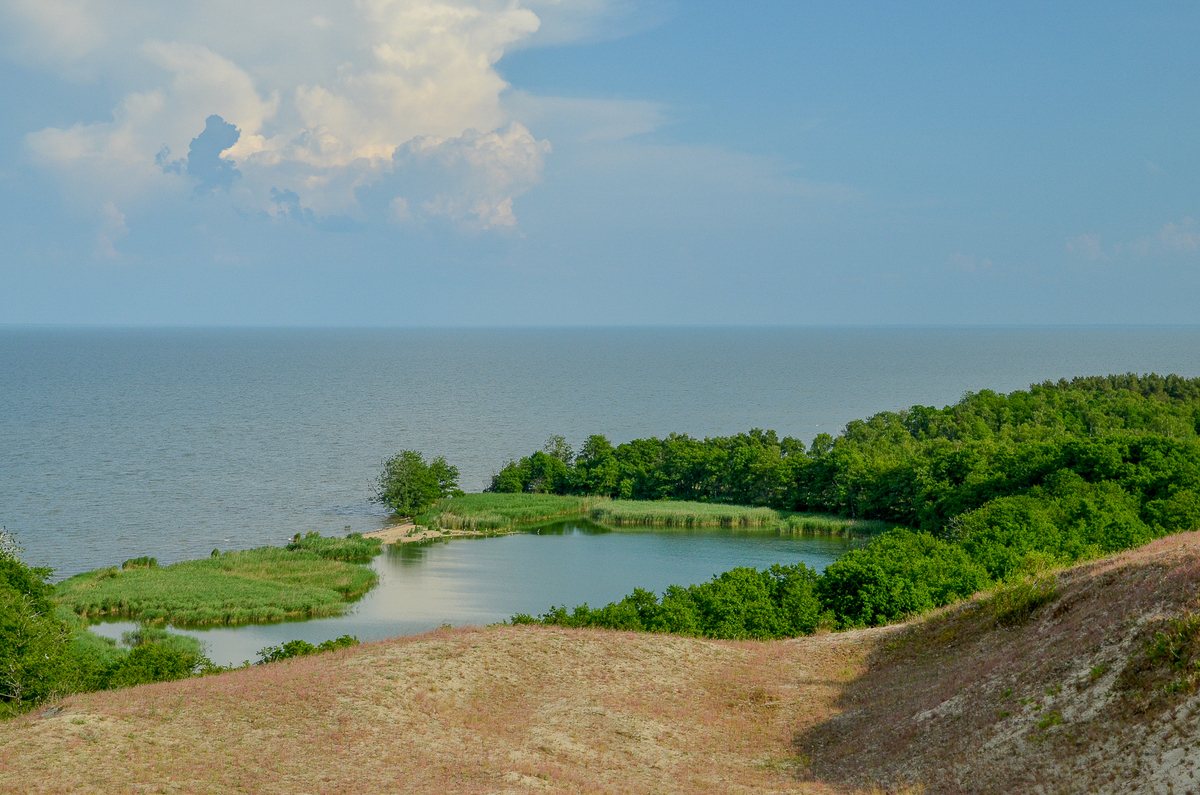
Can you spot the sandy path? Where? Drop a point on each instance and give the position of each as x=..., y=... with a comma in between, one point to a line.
x=407, y=534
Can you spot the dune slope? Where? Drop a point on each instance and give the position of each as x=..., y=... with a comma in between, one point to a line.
x=1065, y=701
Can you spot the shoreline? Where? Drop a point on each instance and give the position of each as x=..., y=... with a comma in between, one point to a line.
x=405, y=534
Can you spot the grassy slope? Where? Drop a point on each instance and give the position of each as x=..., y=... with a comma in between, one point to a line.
x=952, y=703
x=265, y=584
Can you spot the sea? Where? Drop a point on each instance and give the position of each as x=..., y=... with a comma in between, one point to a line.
x=172, y=442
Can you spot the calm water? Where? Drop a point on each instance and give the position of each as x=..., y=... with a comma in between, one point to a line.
x=120, y=443
x=484, y=580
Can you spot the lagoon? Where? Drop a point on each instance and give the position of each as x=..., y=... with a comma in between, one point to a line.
x=478, y=581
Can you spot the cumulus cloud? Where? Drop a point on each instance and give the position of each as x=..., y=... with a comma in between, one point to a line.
x=471, y=179
x=319, y=101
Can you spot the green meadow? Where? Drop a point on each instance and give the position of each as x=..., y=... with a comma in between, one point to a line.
x=252, y=586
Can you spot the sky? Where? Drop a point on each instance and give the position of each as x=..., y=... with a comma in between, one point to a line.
x=598, y=162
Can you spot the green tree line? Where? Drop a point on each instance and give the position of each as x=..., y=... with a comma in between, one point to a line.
x=989, y=489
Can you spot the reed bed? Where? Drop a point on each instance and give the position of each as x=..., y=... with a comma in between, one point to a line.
x=498, y=512
x=681, y=514
x=825, y=524
x=254, y=586
x=350, y=549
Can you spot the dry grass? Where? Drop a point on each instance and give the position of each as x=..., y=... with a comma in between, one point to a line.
x=505, y=709
x=961, y=704
x=956, y=703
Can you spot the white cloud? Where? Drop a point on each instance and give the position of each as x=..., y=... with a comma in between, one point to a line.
x=324, y=94
x=471, y=179
x=968, y=263
x=55, y=32
x=1184, y=236
x=112, y=227
x=1086, y=246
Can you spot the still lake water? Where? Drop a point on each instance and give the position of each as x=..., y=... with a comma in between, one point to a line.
x=483, y=580
x=116, y=443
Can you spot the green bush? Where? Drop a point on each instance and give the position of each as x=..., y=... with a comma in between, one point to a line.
x=34, y=663
x=1013, y=604
x=302, y=648
x=901, y=573
x=743, y=603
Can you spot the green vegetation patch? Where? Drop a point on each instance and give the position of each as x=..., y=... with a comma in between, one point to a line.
x=350, y=549
x=1013, y=604
x=255, y=586
x=496, y=512
x=302, y=648
x=743, y=603
x=1169, y=662
x=681, y=514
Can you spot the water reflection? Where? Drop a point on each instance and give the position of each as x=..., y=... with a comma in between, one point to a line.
x=485, y=580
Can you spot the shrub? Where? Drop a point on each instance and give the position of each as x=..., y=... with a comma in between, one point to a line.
x=33, y=641
x=1013, y=604
x=901, y=573
x=302, y=648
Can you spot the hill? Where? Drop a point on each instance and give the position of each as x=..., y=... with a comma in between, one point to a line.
x=1090, y=688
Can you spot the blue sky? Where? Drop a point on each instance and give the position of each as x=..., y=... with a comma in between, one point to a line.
x=410, y=162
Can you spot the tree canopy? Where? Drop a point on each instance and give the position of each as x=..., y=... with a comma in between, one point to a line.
x=408, y=484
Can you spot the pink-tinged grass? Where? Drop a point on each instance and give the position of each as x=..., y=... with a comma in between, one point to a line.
x=955, y=702
x=506, y=709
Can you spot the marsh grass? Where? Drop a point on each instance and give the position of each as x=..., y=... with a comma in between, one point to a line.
x=681, y=514
x=350, y=549
x=498, y=512
x=827, y=524
x=255, y=586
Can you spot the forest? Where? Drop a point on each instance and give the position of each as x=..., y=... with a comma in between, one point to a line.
x=992, y=489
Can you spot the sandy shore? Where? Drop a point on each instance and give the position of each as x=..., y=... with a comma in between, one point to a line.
x=408, y=533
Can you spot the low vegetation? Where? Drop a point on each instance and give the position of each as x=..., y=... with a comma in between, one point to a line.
x=307, y=580
x=493, y=512
x=681, y=514
x=498, y=512
x=302, y=648
x=349, y=549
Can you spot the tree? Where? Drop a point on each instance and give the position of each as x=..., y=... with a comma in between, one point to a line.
x=32, y=640
x=409, y=485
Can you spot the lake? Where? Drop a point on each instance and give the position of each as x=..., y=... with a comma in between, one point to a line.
x=484, y=580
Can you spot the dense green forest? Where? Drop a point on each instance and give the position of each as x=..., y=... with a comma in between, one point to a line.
x=993, y=488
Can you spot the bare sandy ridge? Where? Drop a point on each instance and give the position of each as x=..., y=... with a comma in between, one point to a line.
x=946, y=704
